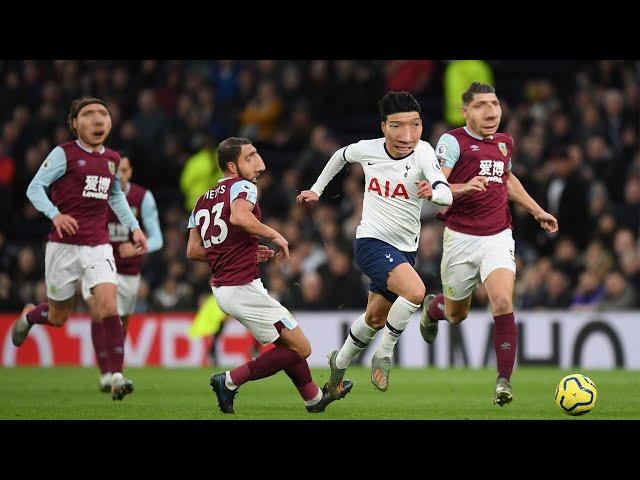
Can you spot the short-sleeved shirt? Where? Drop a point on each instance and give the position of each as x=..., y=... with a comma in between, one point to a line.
x=477, y=213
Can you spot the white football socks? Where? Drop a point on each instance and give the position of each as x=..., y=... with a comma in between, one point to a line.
x=397, y=320
x=360, y=335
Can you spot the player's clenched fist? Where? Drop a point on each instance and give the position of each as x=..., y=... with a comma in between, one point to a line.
x=140, y=240
x=476, y=184
x=307, y=196
x=281, y=242
x=424, y=189
x=65, y=223
x=264, y=253
x=547, y=222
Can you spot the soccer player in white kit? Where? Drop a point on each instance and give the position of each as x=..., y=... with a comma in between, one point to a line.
x=400, y=171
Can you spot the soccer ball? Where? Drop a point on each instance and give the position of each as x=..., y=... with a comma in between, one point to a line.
x=576, y=394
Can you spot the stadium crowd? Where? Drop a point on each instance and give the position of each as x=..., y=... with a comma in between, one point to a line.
x=577, y=152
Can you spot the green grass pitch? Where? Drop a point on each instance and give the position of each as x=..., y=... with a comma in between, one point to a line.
x=429, y=394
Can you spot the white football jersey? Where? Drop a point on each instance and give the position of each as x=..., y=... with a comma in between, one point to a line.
x=391, y=207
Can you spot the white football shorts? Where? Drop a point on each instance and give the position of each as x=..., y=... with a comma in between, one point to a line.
x=66, y=263
x=254, y=308
x=469, y=259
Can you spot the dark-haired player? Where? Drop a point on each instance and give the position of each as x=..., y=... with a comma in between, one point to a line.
x=224, y=229
x=400, y=171
x=84, y=183
x=478, y=245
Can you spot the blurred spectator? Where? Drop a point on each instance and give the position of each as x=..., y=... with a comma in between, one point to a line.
x=565, y=259
x=575, y=130
x=618, y=294
x=556, y=291
x=259, y=118
x=311, y=296
x=628, y=213
x=7, y=173
x=150, y=122
x=589, y=292
x=529, y=289
x=429, y=256
x=597, y=260
x=408, y=75
x=458, y=76
x=200, y=173
x=171, y=296
x=566, y=197
x=342, y=285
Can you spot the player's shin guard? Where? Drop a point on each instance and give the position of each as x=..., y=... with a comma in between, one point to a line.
x=436, y=308
x=266, y=364
x=114, y=340
x=397, y=320
x=40, y=314
x=360, y=335
x=505, y=340
x=98, y=337
x=300, y=375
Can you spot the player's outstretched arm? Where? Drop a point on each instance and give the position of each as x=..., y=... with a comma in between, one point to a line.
x=476, y=184
x=307, y=196
x=337, y=161
x=518, y=194
x=242, y=216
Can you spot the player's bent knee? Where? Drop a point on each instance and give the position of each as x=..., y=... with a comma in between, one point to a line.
x=417, y=296
x=375, y=321
x=108, y=309
x=303, y=349
x=502, y=305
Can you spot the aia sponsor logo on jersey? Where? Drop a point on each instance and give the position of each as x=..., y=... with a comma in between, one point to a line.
x=399, y=190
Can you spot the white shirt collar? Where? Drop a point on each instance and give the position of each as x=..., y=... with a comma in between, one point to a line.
x=490, y=137
x=87, y=150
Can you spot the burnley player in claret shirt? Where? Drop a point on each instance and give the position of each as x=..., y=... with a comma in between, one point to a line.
x=82, y=176
x=478, y=244
x=128, y=263
x=224, y=228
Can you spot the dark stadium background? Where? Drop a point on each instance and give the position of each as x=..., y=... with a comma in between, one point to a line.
x=571, y=120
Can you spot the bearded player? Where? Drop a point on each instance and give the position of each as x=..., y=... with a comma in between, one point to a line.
x=478, y=245
x=224, y=229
